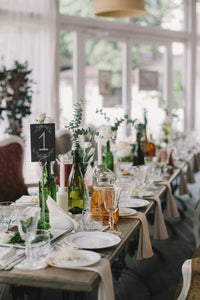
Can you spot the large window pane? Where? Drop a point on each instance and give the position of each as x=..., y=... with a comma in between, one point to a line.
x=147, y=86
x=103, y=80
x=66, y=78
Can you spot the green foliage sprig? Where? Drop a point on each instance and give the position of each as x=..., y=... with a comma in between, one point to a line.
x=75, y=124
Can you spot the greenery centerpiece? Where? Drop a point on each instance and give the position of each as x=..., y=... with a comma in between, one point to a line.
x=15, y=96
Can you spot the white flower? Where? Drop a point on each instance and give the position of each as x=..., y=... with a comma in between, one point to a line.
x=106, y=133
x=123, y=148
x=49, y=120
x=40, y=117
x=87, y=145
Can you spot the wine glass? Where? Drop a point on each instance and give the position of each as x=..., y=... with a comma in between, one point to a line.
x=27, y=215
x=111, y=196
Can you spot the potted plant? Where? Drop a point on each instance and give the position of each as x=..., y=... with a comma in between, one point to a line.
x=15, y=96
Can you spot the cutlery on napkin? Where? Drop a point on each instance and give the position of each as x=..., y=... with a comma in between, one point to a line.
x=58, y=218
x=9, y=257
x=28, y=199
x=105, y=290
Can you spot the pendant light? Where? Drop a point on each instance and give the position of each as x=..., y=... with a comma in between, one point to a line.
x=119, y=8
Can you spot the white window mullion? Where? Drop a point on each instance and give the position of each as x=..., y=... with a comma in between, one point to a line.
x=78, y=66
x=190, y=67
x=167, y=82
x=126, y=81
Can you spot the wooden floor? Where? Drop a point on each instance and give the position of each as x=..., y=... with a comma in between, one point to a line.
x=155, y=278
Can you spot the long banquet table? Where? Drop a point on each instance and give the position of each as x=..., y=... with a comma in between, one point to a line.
x=83, y=281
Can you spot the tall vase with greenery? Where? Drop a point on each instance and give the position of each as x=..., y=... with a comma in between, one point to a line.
x=82, y=157
x=15, y=96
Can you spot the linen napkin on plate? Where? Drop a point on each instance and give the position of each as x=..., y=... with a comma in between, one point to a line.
x=58, y=218
x=144, y=245
x=28, y=199
x=172, y=210
x=105, y=290
x=160, y=230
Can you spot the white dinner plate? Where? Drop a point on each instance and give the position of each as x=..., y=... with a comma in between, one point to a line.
x=92, y=240
x=134, y=203
x=159, y=179
x=144, y=194
x=125, y=212
x=81, y=258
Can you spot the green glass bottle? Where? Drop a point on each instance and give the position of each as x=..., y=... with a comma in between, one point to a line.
x=50, y=188
x=76, y=186
x=138, y=156
x=108, y=158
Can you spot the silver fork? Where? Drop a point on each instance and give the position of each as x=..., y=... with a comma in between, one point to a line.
x=13, y=262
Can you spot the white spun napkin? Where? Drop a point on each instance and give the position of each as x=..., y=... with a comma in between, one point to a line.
x=105, y=291
x=58, y=218
x=28, y=199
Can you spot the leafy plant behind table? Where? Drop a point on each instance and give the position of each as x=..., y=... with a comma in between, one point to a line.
x=15, y=96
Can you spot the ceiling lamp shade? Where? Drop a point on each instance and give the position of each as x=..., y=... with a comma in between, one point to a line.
x=119, y=8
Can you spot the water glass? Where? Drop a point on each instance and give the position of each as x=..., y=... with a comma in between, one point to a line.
x=92, y=219
x=40, y=248
x=7, y=213
x=27, y=216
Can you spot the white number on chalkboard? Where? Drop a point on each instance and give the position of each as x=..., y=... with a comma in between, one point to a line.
x=43, y=141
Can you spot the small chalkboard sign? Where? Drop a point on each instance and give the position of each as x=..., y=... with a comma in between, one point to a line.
x=42, y=142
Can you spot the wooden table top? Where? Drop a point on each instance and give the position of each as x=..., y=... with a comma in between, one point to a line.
x=76, y=280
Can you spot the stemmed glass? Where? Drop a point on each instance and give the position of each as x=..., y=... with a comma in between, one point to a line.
x=6, y=215
x=27, y=215
x=111, y=196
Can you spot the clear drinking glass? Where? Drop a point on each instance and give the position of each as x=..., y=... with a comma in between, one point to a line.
x=111, y=196
x=27, y=215
x=6, y=215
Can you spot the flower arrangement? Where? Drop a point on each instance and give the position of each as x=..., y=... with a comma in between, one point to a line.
x=15, y=96
x=86, y=152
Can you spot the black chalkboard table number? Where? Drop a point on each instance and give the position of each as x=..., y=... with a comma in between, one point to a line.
x=42, y=149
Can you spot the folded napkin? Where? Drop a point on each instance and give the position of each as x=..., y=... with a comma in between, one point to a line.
x=144, y=246
x=172, y=210
x=160, y=230
x=105, y=290
x=183, y=189
x=196, y=162
x=28, y=199
x=190, y=173
x=58, y=218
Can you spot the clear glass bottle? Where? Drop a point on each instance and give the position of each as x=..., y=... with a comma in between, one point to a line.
x=50, y=188
x=108, y=160
x=76, y=186
x=101, y=177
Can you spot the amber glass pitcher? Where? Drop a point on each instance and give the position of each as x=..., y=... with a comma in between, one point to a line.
x=101, y=177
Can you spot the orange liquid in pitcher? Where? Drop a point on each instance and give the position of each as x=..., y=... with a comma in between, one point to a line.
x=97, y=201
